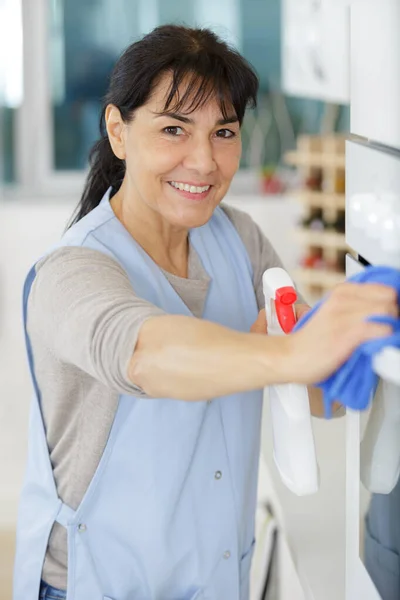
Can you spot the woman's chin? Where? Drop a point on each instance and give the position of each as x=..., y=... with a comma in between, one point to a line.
x=189, y=219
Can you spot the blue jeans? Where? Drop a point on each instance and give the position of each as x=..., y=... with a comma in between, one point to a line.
x=49, y=593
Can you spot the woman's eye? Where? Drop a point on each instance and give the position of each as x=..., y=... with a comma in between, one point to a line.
x=225, y=133
x=174, y=130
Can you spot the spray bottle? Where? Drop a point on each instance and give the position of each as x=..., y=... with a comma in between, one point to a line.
x=293, y=440
x=380, y=446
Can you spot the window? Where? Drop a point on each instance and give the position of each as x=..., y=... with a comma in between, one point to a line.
x=69, y=49
x=86, y=38
x=10, y=82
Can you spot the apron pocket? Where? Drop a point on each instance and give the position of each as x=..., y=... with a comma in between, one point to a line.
x=383, y=566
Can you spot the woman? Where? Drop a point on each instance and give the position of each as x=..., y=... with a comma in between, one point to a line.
x=145, y=430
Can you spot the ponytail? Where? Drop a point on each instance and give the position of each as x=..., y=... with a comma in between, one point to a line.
x=106, y=170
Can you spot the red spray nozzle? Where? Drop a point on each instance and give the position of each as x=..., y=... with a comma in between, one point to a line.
x=284, y=300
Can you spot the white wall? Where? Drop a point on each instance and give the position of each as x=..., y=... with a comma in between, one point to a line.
x=26, y=230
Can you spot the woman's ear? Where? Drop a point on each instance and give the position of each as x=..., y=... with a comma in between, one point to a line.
x=115, y=129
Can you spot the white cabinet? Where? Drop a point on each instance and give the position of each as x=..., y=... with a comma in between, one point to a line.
x=358, y=582
x=315, y=49
x=375, y=70
x=373, y=203
x=373, y=232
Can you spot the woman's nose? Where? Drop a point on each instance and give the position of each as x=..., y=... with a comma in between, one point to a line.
x=200, y=157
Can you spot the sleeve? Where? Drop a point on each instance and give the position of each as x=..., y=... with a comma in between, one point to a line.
x=262, y=254
x=83, y=307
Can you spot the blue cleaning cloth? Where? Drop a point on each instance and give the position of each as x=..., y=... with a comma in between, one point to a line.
x=354, y=383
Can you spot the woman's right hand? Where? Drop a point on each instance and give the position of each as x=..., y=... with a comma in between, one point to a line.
x=338, y=328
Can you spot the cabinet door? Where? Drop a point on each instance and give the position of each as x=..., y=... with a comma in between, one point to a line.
x=315, y=49
x=373, y=519
x=375, y=70
x=358, y=582
x=373, y=203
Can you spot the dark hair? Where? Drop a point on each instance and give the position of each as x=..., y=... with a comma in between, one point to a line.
x=210, y=68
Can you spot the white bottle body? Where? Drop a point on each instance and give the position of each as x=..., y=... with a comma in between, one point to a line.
x=293, y=440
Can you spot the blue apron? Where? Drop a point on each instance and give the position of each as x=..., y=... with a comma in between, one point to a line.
x=169, y=513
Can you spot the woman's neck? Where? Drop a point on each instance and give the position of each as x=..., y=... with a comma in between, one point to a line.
x=166, y=245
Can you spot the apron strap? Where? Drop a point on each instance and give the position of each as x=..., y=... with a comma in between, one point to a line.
x=27, y=288
x=37, y=422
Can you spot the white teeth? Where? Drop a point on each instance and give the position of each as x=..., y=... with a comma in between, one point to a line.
x=193, y=189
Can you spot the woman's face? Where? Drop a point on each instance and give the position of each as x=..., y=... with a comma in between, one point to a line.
x=181, y=165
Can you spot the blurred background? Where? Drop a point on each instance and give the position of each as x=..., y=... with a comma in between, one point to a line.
x=55, y=61
x=79, y=41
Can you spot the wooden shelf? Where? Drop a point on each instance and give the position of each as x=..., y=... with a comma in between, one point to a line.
x=315, y=159
x=320, y=158
x=319, y=277
x=320, y=199
x=322, y=239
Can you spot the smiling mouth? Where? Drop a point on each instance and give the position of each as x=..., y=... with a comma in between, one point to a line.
x=191, y=189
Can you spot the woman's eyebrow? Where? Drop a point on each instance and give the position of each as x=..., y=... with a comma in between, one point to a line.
x=179, y=117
